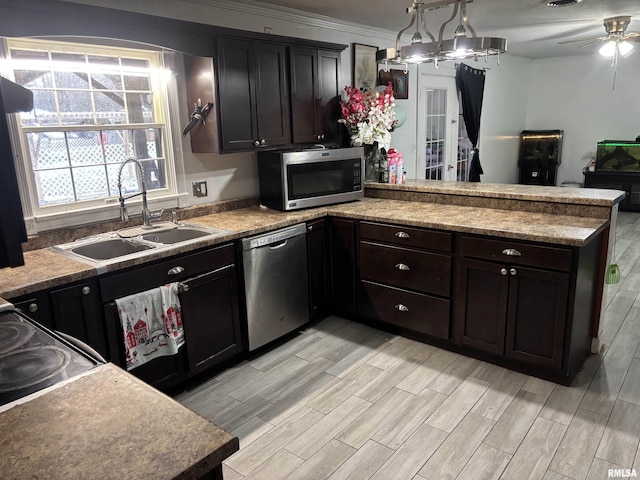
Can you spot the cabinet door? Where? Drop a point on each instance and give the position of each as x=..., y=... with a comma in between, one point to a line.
x=36, y=306
x=210, y=318
x=272, y=99
x=238, y=126
x=304, y=94
x=161, y=372
x=76, y=311
x=317, y=250
x=343, y=276
x=329, y=88
x=537, y=316
x=481, y=305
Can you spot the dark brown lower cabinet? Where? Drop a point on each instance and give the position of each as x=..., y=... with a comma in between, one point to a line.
x=77, y=312
x=209, y=300
x=74, y=309
x=512, y=311
x=342, y=234
x=318, y=267
x=211, y=326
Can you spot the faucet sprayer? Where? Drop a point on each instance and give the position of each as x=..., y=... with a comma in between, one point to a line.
x=147, y=216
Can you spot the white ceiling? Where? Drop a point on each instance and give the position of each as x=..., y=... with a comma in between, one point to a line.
x=531, y=28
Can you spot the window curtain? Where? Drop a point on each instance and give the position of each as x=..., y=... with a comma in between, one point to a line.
x=470, y=84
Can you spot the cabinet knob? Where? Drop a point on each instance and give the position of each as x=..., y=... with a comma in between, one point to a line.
x=263, y=142
x=257, y=143
x=175, y=270
x=513, y=271
x=33, y=307
x=183, y=287
x=401, y=308
x=503, y=271
x=319, y=137
x=402, y=266
x=402, y=235
x=511, y=252
x=310, y=227
x=86, y=290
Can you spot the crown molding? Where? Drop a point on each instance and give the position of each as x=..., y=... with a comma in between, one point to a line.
x=299, y=17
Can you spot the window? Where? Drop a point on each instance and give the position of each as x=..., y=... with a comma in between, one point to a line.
x=94, y=107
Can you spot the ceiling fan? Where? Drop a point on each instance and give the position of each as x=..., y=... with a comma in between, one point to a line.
x=616, y=41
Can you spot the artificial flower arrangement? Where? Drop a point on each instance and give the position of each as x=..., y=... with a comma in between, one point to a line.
x=370, y=116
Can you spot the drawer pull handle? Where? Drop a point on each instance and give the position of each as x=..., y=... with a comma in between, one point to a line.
x=402, y=266
x=401, y=308
x=513, y=272
x=183, y=287
x=503, y=271
x=402, y=235
x=511, y=252
x=175, y=271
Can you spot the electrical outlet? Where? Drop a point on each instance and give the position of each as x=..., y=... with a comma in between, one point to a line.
x=200, y=189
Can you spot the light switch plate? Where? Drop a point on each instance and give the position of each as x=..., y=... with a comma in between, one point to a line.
x=200, y=189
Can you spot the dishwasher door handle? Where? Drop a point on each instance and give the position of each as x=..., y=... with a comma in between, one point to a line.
x=279, y=245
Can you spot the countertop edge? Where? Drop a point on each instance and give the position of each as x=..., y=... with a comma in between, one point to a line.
x=574, y=196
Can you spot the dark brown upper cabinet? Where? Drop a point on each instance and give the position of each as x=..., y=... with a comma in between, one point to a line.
x=315, y=94
x=253, y=97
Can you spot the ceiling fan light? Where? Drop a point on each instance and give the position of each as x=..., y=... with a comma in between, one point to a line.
x=608, y=50
x=625, y=48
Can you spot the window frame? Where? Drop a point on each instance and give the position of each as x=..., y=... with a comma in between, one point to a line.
x=165, y=107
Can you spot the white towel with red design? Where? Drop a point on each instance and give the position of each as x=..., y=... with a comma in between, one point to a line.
x=151, y=324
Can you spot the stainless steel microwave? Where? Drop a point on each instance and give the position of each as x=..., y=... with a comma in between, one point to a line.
x=294, y=179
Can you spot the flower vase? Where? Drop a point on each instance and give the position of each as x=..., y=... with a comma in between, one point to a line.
x=374, y=158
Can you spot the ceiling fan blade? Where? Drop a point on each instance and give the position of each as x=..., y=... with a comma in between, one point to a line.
x=592, y=40
x=589, y=44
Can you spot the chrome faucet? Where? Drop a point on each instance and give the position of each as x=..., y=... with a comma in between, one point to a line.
x=147, y=216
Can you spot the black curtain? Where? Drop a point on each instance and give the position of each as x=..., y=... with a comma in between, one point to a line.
x=470, y=83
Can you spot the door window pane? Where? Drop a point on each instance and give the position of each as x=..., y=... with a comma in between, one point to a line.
x=436, y=129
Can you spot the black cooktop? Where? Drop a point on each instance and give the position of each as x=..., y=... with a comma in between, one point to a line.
x=33, y=357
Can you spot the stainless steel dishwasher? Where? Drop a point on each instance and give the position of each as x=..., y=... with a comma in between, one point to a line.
x=276, y=286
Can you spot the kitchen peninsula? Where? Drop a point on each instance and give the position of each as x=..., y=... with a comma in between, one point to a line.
x=560, y=234
x=109, y=424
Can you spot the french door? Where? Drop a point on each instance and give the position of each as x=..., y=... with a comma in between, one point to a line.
x=443, y=146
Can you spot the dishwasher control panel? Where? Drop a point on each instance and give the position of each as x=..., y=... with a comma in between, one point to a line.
x=273, y=237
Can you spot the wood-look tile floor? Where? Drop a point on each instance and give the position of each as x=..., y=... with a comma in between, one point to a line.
x=345, y=401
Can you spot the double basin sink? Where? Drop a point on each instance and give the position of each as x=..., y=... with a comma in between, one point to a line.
x=114, y=246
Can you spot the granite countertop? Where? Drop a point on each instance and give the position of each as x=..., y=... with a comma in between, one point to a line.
x=46, y=269
x=109, y=424
x=533, y=193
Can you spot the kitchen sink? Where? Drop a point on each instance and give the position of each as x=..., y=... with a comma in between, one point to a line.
x=106, y=249
x=180, y=234
x=111, y=247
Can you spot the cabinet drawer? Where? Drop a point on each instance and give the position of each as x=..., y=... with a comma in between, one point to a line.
x=402, y=267
x=409, y=237
x=521, y=253
x=150, y=276
x=413, y=311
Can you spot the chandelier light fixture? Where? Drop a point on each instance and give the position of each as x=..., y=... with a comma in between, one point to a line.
x=439, y=49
